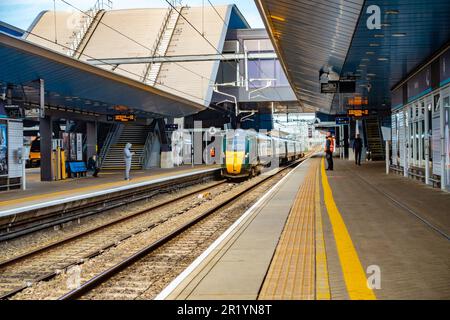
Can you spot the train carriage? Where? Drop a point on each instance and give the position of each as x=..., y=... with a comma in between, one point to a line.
x=246, y=152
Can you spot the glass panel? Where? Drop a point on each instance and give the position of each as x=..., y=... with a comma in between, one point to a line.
x=258, y=45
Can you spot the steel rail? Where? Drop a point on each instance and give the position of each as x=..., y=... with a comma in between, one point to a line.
x=84, y=233
x=105, y=275
x=47, y=221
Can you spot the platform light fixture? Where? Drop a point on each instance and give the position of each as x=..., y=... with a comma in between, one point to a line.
x=278, y=18
x=370, y=52
x=382, y=59
x=399, y=34
x=392, y=11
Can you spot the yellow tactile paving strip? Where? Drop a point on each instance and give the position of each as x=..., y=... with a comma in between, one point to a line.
x=354, y=275
x=292, y=273
x=322, y=280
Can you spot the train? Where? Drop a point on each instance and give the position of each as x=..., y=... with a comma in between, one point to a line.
x=247, y=152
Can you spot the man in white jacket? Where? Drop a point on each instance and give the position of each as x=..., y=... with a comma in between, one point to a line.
x=128, y=155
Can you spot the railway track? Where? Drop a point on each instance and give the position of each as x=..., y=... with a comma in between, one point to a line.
x=144, y=273
x=45, y=262
x=56, y=215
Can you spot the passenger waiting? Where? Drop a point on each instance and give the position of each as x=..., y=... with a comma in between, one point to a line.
x=329, y=149
x=92, y=165
x=357, y=148
x=128, y=156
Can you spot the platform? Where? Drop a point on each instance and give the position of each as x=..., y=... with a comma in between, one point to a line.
x=44, y=193
x=351, y=233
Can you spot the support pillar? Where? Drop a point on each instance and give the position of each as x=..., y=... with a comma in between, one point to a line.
x=427, y=145
x=442, y=136
x=46, y=130
x=91, y=138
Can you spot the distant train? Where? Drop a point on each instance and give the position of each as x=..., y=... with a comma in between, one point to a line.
x=246, y=152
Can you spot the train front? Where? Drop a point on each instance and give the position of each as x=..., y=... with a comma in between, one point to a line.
x=236, y=162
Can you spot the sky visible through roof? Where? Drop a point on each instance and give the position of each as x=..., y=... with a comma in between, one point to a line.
x=21, y=13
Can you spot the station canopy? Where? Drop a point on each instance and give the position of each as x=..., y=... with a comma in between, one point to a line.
x=333, y=35
x=75, y=84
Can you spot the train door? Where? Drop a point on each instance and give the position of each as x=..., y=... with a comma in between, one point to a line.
x=445, y=104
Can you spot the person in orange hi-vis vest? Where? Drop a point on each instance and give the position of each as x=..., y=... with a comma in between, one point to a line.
x=329, y=149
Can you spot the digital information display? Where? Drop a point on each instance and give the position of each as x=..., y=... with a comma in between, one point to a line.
x=122, y=117
x=357, y=113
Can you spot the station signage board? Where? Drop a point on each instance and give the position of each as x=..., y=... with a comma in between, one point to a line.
x=357, y=113
x=329, y=87
x=122, y=117
x=171, y=127
x=342, y=120
x=347, y=86
x=341, y=86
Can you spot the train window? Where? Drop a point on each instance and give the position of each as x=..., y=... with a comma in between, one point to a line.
x=35, y=145
x=236, y=143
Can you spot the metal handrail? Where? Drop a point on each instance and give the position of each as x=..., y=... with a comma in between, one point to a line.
x=88, y=18
x=157, y=42
x=147, y=149
x=107, y=144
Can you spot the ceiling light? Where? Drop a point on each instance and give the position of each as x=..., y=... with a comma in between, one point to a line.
x=374, y=44
x=365, y=59
x=278, y=18
x=392, y=11
x=382, y=59
x=378, y=35
x=362, y=65
x=370, y=52
x=399, y=34
x=371, y=74
x=358, y=70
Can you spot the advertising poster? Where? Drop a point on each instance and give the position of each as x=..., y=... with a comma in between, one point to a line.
x=79, y=146
x=73, y=149
x=3, y=149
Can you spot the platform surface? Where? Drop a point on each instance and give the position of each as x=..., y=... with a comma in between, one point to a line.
x=351, y=233
x=44, y=191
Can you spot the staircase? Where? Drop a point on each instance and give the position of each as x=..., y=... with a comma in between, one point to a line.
x=114, y=156
x=374, y=138
x=160, y=47
x=86, y=23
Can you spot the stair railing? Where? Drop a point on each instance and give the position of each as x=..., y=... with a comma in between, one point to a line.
x=154, y=49
x=86, y=23
x=110, y=138
x=146, y=152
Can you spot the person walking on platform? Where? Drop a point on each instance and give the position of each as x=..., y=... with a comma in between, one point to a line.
x=128, y=156
x=357, y=149
x=329, y=149
x=92, y=165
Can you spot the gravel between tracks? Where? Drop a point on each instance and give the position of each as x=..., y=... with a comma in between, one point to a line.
x=144, y=279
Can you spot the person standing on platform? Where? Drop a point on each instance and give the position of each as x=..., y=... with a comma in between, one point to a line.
x=329, y=149
x=357, y=149
x=128, y=155
x=93, y=165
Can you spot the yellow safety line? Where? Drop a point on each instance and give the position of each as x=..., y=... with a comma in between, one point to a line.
x=49, y=195
x=354, y=276
x=322, y=279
